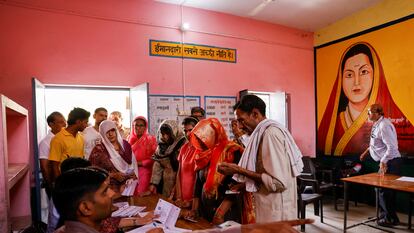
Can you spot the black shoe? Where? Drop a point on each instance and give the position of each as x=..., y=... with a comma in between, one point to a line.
x=395, y=222
x=384, y=222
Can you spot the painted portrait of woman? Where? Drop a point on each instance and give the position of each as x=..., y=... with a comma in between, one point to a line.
x=360, y=82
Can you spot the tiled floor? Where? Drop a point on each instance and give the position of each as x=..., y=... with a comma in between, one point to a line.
x=333, y=220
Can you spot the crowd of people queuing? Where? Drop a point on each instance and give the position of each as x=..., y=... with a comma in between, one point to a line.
x=194, y=164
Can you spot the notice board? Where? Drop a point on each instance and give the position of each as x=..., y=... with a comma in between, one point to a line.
x=221, y=107
x=171, y=107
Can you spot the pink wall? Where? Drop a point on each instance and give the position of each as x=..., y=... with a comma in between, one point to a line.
x=105, y=42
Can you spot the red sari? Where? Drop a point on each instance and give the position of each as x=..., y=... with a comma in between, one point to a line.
x=186, y=173
x=143, y=148
x=335, y=138
x=210, y=139
x=219, y=149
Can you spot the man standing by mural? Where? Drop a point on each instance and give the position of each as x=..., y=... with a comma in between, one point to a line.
x=383, y=148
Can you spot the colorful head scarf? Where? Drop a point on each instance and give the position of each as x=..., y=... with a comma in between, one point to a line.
x=177, y=135
x=210, y=139
x=133, y=138
x=119, y=163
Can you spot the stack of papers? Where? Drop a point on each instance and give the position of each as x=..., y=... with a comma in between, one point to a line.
x=128, y=211
x=120, y=204
x=168, y=215
x=130, y=189
x=406, y=178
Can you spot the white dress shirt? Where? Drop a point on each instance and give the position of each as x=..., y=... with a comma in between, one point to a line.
x=44, y=146
x=383, y=145
x=91, y=137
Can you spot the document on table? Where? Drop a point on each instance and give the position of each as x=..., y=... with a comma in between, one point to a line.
x=128, y=211
x=406, y=178
x=168, y=215
x=130, y=189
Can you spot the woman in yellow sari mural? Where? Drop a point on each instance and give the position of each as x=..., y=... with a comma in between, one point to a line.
x=345, y=129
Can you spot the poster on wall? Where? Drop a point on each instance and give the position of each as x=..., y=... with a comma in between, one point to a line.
x=375, y=66
x=169, y=107
x=221, y=107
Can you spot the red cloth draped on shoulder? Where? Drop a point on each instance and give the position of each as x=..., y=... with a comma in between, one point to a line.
x=143, y=148
x=187, y=174
x=335, y=138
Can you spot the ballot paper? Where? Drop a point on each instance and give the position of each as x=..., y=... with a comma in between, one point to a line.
x=120, y=204
x=130, y=189
x=128, y=211
x=406, y=178
x=168, y=215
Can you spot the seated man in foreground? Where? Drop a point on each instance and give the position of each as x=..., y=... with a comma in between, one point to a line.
x=83, y=198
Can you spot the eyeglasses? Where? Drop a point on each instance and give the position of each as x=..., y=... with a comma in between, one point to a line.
x=140, y=125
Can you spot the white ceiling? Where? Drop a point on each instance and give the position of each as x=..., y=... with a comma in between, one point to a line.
x=308, y=15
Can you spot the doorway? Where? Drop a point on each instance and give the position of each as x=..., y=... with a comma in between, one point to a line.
x=64, y=99
x=130, y=102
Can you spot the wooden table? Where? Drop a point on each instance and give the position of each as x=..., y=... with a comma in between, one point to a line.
x=386, y=181
x=151, y=202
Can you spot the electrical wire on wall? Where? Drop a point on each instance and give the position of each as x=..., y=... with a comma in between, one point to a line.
x=182, y=58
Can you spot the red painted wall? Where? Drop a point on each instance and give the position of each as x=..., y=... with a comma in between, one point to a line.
x=106, y=42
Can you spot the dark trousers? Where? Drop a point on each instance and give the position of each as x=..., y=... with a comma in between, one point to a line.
x=387, y=197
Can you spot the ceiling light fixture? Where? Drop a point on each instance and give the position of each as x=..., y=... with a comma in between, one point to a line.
x=185, y=27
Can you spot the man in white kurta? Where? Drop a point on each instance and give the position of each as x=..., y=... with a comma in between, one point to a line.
x=276, y=198
x=91, y=135
x=269, y=164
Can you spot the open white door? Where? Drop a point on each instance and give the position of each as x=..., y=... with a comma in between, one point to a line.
x=138, y=97
x=279, y=108
x=277, y=105
x=40, y=131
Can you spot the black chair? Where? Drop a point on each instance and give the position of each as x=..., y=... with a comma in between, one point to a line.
x=305, y=198
x=323, y=176
x=349, y=168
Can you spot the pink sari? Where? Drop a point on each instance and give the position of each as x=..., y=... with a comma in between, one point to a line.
x=143, y=148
